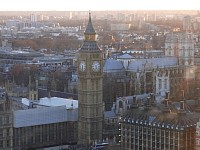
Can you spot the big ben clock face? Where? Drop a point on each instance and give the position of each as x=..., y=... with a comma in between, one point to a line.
x=82, y=66
x=95, y=66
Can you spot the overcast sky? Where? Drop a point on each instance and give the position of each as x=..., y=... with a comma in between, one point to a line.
x=65, y=5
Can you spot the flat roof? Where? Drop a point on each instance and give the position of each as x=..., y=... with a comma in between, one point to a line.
x=54, y=101
x=43, y=115
x=57, y=101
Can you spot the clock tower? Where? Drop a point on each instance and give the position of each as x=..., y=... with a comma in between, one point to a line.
x=90, y=73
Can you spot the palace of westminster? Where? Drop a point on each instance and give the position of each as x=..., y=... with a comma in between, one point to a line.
x=147, y=100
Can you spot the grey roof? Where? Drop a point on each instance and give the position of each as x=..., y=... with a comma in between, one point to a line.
x=20, y=89
x=138, y=115
x=52, y=101
x=139, y=98
x=110, y=114
x=45, y=115
x=15, y=54
x=175, y=106
x=112, y=65
x=90, y=46
x=172, y=120
x=90, y=28
x=156, y=117
x=125, y=56
x=192, y=102
x=153, y=63
x=57, y=101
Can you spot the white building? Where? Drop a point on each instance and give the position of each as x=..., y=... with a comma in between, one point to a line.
x=52, y=102
x=33, y=18
x=12, y=23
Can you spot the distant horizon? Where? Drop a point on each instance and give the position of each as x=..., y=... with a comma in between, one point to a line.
x=98, y=5
x=104, y=10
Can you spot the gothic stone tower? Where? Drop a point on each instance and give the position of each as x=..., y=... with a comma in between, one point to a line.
x=90, y=73
x=6, y=122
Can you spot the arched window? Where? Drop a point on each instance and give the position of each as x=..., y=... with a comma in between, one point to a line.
x=120, y=104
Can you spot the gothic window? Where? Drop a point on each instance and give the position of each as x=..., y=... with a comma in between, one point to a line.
x=1, y=107
x=166, y=73
x=1, y=133
x=189, y=51
x=159, y=84
x=182, y=72
x=149, y=77
x=183, y=62
x=8, y=143
x=8, y=132
x=6, y=120
x=1, y=144
x=120, y=104
x=183, y=51
x=189, y=61
x=1, y=121
x=165, y=84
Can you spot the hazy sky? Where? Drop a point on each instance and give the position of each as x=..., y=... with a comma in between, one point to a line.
x=35, y=5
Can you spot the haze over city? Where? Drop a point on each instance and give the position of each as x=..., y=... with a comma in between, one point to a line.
x=82, y=5
x=100, y=74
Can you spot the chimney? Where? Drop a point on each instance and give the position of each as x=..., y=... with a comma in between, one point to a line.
x=148, y=105
x=134, y=99
x=152, y=99
x=29, y=82
x=167, y=95
x=182, y=105
x=49, y=88
x=182, y=108
x=166, y=108
x=135, y=104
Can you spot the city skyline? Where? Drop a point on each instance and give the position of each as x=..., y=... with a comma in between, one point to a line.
x=85, y=5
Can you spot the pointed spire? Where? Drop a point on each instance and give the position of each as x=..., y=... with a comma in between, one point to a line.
x=90, y=43
x=90, y=28
x=89, y=16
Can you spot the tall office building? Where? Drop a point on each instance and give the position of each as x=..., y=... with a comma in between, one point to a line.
x=187, y=26
x=90, y=71
x=33, y=18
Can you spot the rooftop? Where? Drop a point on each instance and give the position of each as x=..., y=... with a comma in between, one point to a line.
x=44, y=115
x=54, y=101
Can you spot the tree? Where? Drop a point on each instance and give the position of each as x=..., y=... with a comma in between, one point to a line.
x=20, y=74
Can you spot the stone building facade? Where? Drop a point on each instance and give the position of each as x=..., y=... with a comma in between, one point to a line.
x=43, y=130
x=174, y=72
x=6, y=123
x=90, y=88
x=153, y=129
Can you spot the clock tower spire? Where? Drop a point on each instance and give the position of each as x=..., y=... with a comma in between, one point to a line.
x=90, y=73
x=90, y=34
